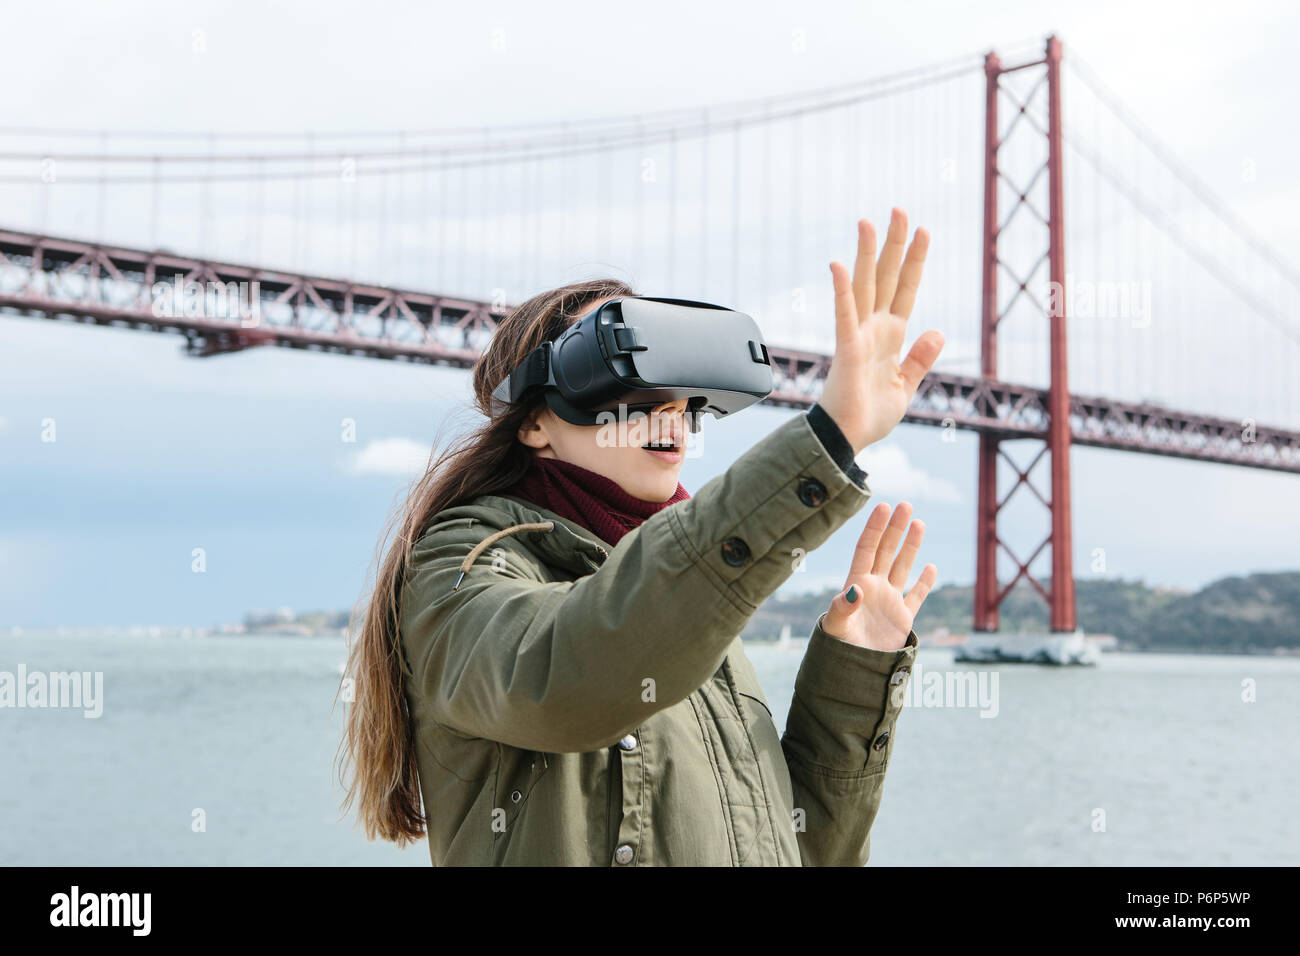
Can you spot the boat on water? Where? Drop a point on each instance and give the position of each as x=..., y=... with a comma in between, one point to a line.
x=1071, y=648
x=786, y=642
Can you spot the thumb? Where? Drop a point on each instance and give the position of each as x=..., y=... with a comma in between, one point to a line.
x=921, y=358
x=836, y=620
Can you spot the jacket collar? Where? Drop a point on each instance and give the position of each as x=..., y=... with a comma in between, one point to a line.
x=567, y=544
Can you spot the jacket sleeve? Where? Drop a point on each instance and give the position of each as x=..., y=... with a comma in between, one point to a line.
x=835, y=443
x=572, y=666
x=837, y=741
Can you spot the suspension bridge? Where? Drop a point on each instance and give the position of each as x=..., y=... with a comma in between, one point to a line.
x=1092, y=288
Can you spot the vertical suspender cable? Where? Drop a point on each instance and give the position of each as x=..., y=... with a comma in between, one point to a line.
x=735, y=215
x=672, y=219
x=704, y=206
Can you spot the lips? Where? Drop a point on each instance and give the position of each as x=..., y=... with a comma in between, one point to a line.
x=670, y=448
x=668, y=443
x=672, y=457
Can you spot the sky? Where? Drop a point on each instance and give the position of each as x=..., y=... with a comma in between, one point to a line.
x=157, y=454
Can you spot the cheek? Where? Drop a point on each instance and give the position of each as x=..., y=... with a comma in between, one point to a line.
x=601, y=451
x=646, y=478
x=627, y=466
x=636, y=473
x=592, y=448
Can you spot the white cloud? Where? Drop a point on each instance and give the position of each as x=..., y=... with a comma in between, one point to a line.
x=890, y=474
x=391, y=456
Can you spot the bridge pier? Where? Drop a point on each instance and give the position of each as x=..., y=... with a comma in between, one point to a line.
x=989, y=594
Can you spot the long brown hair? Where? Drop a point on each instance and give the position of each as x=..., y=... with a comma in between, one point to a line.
x=379, y=741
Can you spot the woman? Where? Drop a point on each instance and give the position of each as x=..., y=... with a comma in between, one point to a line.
x=549, y=670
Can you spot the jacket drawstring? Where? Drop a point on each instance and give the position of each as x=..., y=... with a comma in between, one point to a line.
x=478, y=548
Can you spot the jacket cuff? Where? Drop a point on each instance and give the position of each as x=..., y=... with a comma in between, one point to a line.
x=852, y=696
x=746, y=531
x=836, y=445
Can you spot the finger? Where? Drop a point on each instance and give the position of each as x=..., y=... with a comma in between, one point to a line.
x=921, y=358
x=902, y=568
x=891, y=257
x=837, y=616
x=889, y=540
x=846, y=313
x=864, y=270
x=916, y=597
x=909, y=279
x=864, y=554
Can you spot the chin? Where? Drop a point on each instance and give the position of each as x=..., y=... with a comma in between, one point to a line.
x=658, y=492
x=667, y=492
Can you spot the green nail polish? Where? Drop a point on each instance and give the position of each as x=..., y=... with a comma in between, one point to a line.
x=852, y=594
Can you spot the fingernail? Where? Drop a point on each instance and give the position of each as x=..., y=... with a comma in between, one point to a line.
x=851, y=595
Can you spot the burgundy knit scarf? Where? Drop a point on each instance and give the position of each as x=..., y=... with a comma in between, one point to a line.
x=591, y=500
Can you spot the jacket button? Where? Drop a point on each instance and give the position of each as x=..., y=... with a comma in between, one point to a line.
x=516, y=797
x=881, y=741
x=900, y=675
x=812, y=492
x=735, y=552
x=623, y=854
x=628, y=742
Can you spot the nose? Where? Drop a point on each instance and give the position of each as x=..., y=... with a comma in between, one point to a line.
x=679, y=405
x=679, y=410
x=670, y=418
x=671, y=411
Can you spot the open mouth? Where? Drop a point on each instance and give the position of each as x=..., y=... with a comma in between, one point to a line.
x=664, y=450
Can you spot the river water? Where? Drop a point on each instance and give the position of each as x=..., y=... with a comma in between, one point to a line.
x=1143, y=760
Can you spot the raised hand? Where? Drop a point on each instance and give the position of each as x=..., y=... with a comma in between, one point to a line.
x=881, y=617
x=867, y=390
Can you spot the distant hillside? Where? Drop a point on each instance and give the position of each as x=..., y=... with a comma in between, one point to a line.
x=1259, y=613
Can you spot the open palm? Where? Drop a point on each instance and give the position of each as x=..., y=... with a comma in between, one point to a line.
x=867, y=387
x=881, y=616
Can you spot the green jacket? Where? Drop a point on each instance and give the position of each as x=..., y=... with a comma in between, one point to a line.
x=578, y=703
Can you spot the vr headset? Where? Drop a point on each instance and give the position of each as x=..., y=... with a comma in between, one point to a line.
x=638, y=352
